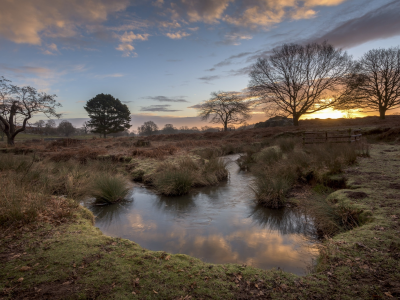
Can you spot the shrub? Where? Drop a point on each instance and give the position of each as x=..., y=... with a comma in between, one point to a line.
x=109, y=188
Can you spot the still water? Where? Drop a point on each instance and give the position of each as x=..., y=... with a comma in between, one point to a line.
x=219, y=224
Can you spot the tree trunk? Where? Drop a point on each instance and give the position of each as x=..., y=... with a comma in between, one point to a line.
x=225, y=126
x=382, y=112
x=10, y=141
x=295, y=120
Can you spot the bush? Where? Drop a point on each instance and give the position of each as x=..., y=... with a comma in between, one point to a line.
x=109, y=188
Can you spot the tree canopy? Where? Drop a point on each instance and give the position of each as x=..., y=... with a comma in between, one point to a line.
x=107, y=115
x=148, y=128
x=66, y=128
x=225, y=108
x=301, y=79
x=19, y=104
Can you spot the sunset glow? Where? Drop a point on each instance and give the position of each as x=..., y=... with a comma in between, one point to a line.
x=162, y=58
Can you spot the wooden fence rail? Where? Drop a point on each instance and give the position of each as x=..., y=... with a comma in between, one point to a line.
x=319, y=137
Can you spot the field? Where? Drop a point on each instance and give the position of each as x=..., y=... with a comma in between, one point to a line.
x=49, y=248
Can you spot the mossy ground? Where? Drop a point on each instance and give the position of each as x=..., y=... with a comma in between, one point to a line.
x=74, y=260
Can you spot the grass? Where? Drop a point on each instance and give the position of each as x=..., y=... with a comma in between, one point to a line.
x=58, y=253
x=276, y=172
x=178, y=177
x=108, y=188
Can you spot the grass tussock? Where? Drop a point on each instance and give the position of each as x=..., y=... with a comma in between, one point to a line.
x=32, y=187
x=286, y=145
x=174, y=179
x=158, y=152
x=276, y=173
x=109, y=189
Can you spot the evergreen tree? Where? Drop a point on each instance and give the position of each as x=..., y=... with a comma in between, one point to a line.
x=107, y=115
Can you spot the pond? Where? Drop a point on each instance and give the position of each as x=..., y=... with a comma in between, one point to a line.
x=219, y=224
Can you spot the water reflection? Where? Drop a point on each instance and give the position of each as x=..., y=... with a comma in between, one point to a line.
x=216, y=224
x=285, y=221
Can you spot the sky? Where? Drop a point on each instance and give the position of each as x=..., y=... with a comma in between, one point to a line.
x=163, y=57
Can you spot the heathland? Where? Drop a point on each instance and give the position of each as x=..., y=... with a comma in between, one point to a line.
x=50, y=248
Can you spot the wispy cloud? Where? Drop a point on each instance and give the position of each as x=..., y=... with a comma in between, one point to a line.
x=207, y=79
x=159, y=108
x=166, y=99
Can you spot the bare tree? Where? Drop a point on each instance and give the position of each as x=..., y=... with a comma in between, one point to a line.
x=301, y=79
x=225, y=108
x=18, y=105
x=85, y=127
x=376, y=82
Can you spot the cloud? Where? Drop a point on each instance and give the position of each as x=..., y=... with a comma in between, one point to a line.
x=52, y=49
x=26, y=69
x=264, y=14
x=177, y=35
x=173, y=24
x=209, y=78
x=127, y=50
x=207, y=11
x=196, y=106
x=160, y=108
x=380, y=23
x=228, y=61
x=115, y=75
x=166, y=99
x=234, y=38
x=27, y=21
x=129, y=37
x=211, y=70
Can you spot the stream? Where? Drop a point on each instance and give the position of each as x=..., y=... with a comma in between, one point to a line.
x=218, y=224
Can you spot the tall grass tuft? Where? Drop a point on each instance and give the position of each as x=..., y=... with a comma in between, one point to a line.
x=19, y=204
x=271, y=191
x=286, y=144
x=173, y=181
x=109, y=188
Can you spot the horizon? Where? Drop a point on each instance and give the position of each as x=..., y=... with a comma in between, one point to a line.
x=162, y=58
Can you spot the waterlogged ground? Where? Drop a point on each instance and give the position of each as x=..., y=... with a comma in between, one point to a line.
x=216, y=224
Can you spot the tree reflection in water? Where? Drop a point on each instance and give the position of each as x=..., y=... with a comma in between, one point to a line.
x=284, y=220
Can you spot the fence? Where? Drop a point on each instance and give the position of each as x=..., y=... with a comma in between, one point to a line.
x=319, y=137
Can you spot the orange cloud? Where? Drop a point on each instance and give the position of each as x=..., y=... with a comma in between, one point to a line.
x=177, y=35
x=25, y=21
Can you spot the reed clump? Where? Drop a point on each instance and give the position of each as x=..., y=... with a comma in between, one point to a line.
x=276, y=172
x=109, y=189
x=174, y=179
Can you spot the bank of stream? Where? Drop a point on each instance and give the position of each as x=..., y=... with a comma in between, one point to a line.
x=218, y=224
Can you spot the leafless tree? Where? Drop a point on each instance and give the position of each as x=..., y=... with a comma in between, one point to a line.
x=85, y=127
x=18, y=105
x=376, y=81
x=225, y=108
x=301, y=79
